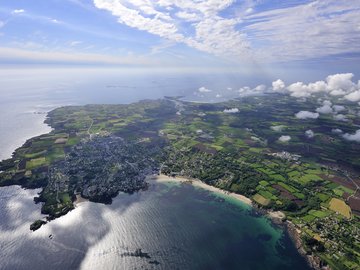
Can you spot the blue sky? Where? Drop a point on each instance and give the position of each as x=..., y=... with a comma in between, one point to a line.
x=244, y=34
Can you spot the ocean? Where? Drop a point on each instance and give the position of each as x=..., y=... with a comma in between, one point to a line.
x=168, y=226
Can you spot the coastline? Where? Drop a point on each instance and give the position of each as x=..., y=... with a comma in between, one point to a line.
x=79, y=199
x=197, y=183
x=276, y=216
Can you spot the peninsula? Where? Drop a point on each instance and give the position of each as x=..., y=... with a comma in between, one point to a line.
x=255, y=146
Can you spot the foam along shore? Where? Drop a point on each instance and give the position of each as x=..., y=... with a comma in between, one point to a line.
x=198, y=183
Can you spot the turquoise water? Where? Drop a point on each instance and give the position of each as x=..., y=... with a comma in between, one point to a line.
x=226, y=233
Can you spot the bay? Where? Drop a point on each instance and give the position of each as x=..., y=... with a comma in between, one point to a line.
x=176, y=226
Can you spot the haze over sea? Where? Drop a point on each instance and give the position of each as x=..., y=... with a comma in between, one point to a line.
x=177, y=226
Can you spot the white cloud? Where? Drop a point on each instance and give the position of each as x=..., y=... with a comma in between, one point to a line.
x=339, y=108
x=299, y=89
x=306, y=115
x=18, y=11
x=233, y=110
x=284, y=138
x=335, y=85
x=352, y=137
x=339, y=82
x=278, y=85
x=210, y=33
x=337, y=92
x=191, y=17
x=249, y=10
x=309, y=134
x=278, y=128
x=354, y=96
x=325, y=109
x=2, y=24
x=323, y=28
x=204, y=90
x=336, y=131
x=218, y=96
x=340, y=117
x=327, y=102
x=260, y=88
x=246, y=33
x=244, y=89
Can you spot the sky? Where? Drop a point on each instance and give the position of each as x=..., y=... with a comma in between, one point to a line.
x=247, y=35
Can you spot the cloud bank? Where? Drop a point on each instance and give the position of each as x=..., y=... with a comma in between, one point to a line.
x=339, y=85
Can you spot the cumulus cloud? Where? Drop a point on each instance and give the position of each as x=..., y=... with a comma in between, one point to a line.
x=354, y=96
x=340, y=82
x=340, y=117
x=298, y=89
x=325, y=109
x=306, y=115
x=260, y=88
x=278, y=85
x=204, y=90
x=232, y=110
x=284, y=138
x=327, y=102
x=218, y=96
x=309, y=134
x=352, y=137
x=278, y=128
x=335, y=85
x=336, y=131
x=339, y=108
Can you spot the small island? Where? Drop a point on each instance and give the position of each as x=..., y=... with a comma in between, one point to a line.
x=254, y=146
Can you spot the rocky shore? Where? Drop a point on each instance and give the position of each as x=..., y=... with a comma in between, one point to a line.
x=295, y=235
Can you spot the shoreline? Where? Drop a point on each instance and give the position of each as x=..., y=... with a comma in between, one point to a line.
x=197, y=183
x=79, y=199
x=276, y=216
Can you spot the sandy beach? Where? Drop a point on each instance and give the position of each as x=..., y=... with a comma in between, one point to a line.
x=79, y=200
x=198, y=183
